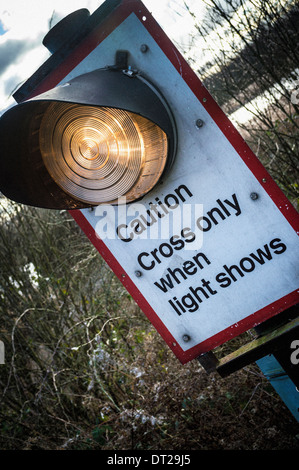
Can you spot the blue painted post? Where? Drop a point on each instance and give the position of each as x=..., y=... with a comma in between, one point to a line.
x=281, y=382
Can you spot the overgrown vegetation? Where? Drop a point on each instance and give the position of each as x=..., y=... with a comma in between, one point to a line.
x=84, y=368
x=250, y=61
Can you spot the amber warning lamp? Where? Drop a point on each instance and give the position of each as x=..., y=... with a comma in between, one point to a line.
x=104, y=135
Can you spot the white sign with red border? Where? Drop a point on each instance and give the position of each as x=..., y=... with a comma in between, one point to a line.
x=217, y=253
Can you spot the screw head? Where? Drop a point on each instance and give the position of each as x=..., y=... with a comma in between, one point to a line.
x=254, y=196
x=199, y=123
x=186, y=338
x=138, y=273
x=144, y=48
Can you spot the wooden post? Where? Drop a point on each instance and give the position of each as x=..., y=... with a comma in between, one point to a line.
x=274, y=342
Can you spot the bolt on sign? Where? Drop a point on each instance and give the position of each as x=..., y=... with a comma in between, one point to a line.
x=211, y=250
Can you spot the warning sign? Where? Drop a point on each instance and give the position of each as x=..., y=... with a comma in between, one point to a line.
x=213, y=249
x=207, y=254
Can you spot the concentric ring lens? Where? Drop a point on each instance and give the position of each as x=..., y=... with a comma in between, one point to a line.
x=100, y=154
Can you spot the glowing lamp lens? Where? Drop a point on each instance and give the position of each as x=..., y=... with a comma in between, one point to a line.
x=100, y=154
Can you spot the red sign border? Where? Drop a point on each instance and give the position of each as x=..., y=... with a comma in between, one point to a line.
x=95, y=37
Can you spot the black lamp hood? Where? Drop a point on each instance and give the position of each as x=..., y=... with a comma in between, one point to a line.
x=23, y=176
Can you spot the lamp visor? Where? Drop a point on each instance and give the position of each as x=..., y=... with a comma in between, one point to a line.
x=100, y=137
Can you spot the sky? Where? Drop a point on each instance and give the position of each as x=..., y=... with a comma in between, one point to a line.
x=23, y=25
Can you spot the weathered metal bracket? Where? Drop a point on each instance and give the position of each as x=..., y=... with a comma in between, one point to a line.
x=208, y=361
x=121, y=60
x=276, y=341
x=259, y=347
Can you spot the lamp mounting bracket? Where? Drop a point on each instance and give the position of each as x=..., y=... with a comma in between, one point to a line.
x=121, y=60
